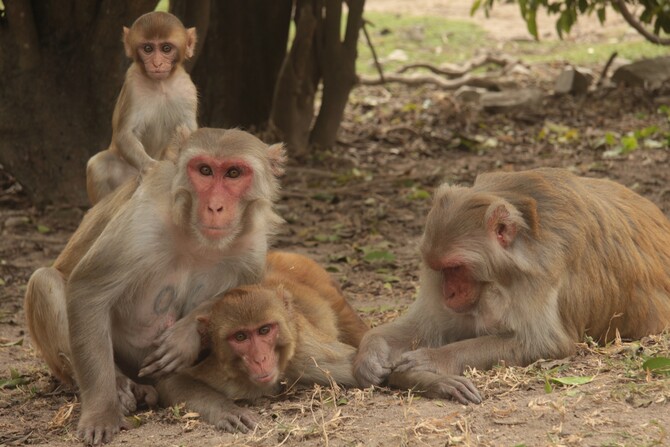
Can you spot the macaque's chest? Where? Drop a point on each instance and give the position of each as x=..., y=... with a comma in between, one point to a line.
x=159, y=115
x=158, y=307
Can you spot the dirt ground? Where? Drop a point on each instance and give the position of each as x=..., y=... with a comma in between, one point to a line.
x=370, y=195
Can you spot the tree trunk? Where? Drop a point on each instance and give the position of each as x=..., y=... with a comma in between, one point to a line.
x=244, y=48
x=338, y=63
x=293, y=104
x=61, y=68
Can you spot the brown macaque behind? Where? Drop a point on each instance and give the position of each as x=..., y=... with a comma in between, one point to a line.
x=157, y=97
x=295, y=325
x=519, y=267
x=122, y=298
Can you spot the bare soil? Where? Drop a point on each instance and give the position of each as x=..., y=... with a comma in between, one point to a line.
x=369, y=194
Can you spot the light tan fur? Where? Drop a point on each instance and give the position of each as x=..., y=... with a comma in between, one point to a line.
x=148, y=110
x=554, y=257
x=127, y=288
x=318, y=333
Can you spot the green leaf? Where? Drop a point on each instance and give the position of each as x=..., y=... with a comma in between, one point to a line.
x=43, y=229
x=629, y=143
x=659, y=365
x=572, y=380
x=18, y=342
x=15, y=379
x=379, y=256
x=475, y=6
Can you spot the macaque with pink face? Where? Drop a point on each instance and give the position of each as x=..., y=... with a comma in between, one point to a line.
x=521, y=267
x=295, y=325
x=120, y=303
x=157, y=97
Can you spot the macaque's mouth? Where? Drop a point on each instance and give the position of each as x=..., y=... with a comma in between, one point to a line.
x=267, y=378
x=212, y=231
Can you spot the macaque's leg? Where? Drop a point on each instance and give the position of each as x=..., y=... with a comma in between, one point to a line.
x=105, y=172
x=212, y=406
x=46, y=316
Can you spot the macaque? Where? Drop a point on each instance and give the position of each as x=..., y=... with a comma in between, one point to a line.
x=520, y=267
x=294, y=326
x=157, y=97
x=145, y=262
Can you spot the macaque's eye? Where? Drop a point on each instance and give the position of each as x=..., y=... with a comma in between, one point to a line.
x=234, y=172
x=148, y=48
x=264, y=330
x=240, y=336
x=205, y=170
x=166, y=48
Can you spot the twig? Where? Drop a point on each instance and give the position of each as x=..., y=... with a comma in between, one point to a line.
x=456, y=71
x=372, y=50
x=603, y=74
x=632, y=21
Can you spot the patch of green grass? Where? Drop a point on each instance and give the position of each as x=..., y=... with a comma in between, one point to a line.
x=437, y=40
x=432, y=40
x=583, y=53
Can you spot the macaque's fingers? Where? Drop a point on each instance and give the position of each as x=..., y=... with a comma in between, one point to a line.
x=102, y=432
x=125, y=393
x=418, y=360
x=236, y=420
x=178, y=347
x=145, y=393
x=459, y=388
x=373, y=362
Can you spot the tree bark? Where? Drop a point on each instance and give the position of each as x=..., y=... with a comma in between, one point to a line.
x=245, y=46
x=293, y=104
x=338, y=62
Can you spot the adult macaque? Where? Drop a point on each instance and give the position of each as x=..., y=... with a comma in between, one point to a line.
x=520, y=267
x=145, y=262
x=157, y=97
x=295, y=325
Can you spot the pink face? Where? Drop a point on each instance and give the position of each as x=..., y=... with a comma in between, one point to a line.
x=219, y=184
x=256, y=348
x=460, y=291
x=159, y=58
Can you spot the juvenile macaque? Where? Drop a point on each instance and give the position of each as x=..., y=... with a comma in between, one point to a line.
x=157, y=97
x=145, y=262
x=293, y=326
x=521, y=267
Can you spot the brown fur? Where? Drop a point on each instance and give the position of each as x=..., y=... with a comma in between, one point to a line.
x=556, y=258
x=148, y=111
x=318, y=333
x=126, y=290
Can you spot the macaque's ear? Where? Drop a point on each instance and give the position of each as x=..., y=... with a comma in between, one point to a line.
x=503, y=221
x=126, y=43
x=191, y=40
x=204, y=330
x=277, y=157
x=286, y=297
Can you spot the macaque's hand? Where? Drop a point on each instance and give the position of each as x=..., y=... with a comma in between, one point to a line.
x=231, y=418
x=147, y=166
x=433, y=360
x=373, y=361
x=176, y=348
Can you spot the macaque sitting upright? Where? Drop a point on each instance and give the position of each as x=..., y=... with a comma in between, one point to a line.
x=520, y=267
x=157, y=97
x=295, y=325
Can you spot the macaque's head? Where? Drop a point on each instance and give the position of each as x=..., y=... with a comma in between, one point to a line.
x=159, y=43
x=249, y=331
x=224, y=178
x=468, y=240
